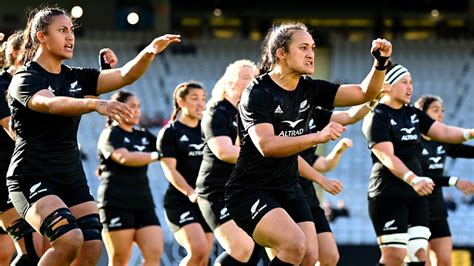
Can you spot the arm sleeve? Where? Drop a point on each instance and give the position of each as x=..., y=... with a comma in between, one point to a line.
x=459, y=150
x=440, y=181
x=88, y=78
x=425, y=121
x=376, y=128
x=217, y=124
x=255, y=107
x=324, y=93
x=25, y=84
x=109, y=141
x=166, y=142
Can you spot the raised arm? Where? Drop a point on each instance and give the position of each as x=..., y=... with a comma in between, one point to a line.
x=356, y=113
x=449, y=134
x=327, y=163
x=353, y=114
x=385, y=153
x=113, y=79
x=107, y=59
x=270, y=145
x=353, y=94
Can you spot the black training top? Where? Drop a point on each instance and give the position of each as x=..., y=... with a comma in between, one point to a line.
x=6, y=143
x=185, y=144
x=124, y=186
x=433, y=158
x=47, y=144
x=219, y=120
x=402, y=127
x=289, y=112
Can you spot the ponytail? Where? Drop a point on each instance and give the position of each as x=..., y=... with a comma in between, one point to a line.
x=265, y=65
x=29, y=45
x=13, y=44
x=176, y=110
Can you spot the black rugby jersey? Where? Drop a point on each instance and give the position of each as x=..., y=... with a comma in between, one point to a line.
x=47, y=144
x=219, y=120
x=289, y=112
x=402, y=127
x=124, y=186
x=6, y=143
x=185, y=144
x=433, y=159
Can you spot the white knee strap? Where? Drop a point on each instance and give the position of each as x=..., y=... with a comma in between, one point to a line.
x=418, y=239
x=399, y=240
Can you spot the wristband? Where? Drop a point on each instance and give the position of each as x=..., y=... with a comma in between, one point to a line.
x=467, y=134
x=407, y=175
x=417, y=179
x=381, y=60
x=103, y=64
x=155, y=156
x=453, y=181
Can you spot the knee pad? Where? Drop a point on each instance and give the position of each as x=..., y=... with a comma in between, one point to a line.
x=399, y=240
x=18, y=229
x=91, y=227
x=58, y=223
x=418, y=239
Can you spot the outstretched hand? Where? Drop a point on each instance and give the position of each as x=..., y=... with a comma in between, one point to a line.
x=114, y=109
x=159, y=44
x=465, y=186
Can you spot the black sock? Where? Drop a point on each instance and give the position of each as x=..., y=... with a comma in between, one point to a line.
x=23, y=260
x=277, y=262
x=225, y=259
x=30, y=247
x=256, y=255
x=419, y=263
